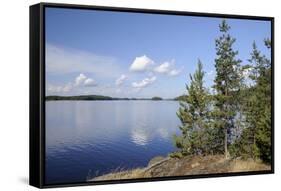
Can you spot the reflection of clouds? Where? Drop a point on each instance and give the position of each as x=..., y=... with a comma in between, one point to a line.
x=164, y=133
x=140, y=136
x=83, y=115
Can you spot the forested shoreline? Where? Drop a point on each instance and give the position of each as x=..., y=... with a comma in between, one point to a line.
x=99, y=97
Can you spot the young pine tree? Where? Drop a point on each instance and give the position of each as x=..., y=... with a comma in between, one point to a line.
x=258, y=110
x=193, y=114
x=226, y=84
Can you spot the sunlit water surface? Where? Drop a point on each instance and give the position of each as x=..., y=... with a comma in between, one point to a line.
x=85, y=139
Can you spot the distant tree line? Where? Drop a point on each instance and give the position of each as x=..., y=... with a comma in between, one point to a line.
x=235, y=119
x=79, y=97
x=95, y=97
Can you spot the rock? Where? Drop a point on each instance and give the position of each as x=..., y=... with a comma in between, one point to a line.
x=155, y=160
x=195, y=165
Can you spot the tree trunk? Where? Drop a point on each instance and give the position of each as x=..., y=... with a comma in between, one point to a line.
x=225, y=143
x=226, y=127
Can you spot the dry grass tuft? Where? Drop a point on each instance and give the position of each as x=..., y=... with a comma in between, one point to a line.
x=247, y=165
x=128, y=174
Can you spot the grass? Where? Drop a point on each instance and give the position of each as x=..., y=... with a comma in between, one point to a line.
x=127, y=174
x=248, y=165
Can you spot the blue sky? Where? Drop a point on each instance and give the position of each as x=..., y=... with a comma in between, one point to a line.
x=135, y=55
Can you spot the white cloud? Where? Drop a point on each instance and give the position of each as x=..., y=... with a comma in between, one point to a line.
x=246, y=75
x=145, y=82
x=141, y=64
x=168, y=69
x=80, y=79
x=59, y=89
x=53, y=89
x=67, y=87
x=62, y=60
x=163, y=68
x=247, y=72
x=174, y=72
x=121, y=80
x=83, y=80
x=89, y=82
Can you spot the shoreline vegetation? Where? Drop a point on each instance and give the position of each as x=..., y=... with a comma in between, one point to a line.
x=105, y=98
x=188, y=165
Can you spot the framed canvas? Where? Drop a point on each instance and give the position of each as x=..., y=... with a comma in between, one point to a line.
x=132, y=95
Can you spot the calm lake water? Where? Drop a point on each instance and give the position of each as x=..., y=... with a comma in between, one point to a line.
x=85, y=139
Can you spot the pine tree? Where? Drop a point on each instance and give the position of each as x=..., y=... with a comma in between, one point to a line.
x=264, y=128
x=193, y=114
x=255, y=140
x=226, y=84
x=258, y=110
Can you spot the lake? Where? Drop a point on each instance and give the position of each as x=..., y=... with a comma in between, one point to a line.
x=85, y=139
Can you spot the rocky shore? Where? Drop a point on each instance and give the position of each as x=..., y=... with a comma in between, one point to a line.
x=166, y=166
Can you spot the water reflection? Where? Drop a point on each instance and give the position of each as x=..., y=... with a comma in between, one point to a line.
x=100, y=136
x=164, y=133
x=140, y=137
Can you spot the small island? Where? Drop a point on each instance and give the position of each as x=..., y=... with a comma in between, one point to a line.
x=156, y=98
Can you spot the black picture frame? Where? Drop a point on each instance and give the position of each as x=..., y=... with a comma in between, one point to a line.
x=37, y=92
